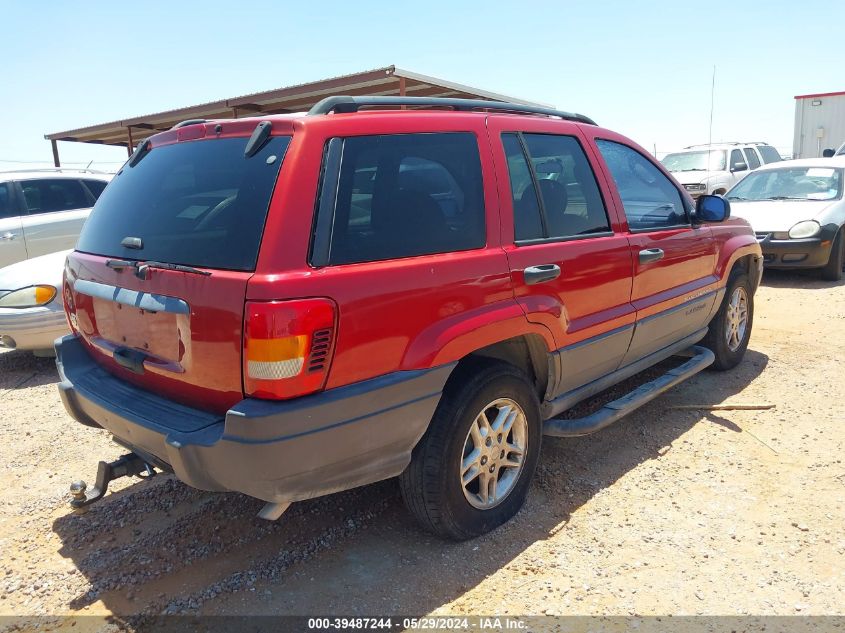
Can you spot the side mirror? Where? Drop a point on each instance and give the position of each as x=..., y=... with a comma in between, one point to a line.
x=828, y=153
x=740, y=166
x=712, y=209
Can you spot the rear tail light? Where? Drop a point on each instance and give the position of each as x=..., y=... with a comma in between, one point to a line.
x=287, y=347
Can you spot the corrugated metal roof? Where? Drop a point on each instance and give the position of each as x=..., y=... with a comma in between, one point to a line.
x=380, y=81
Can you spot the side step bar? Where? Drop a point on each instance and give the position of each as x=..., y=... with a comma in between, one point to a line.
x=613, y=411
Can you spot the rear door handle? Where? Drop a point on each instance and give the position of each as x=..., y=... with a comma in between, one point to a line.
x=650, y=255
x=541, y=273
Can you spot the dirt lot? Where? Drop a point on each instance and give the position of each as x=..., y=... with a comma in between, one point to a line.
x=669, y=511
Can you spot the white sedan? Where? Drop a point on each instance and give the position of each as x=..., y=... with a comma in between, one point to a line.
x=43, y=211
x=797, y=210
x=31, y=311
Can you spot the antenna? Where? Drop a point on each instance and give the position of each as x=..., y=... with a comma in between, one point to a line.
x=710, y=134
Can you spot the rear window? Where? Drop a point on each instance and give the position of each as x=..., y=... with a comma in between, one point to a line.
x=400, y=195
x=196, y=203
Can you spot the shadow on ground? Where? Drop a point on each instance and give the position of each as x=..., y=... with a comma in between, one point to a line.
x=802, y=279
x=160, y=545
x=19, y=369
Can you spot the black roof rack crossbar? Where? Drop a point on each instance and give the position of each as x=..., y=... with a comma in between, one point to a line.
x=342, y=104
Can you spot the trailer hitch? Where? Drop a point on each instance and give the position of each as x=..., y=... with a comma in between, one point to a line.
x=126, y=466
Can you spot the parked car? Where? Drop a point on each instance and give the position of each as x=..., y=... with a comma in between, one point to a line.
x=715, y=168
x=830, y=153
x=296, y=305
x=31, y=312
x=42, y=211
x=797, y=211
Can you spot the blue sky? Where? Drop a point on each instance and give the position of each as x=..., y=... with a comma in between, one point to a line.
x=641, y=68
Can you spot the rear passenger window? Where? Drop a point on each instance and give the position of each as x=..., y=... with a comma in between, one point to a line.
x=95, y=187
x=769, y=154
x=45, y=196
x=649, y=198
x=399, y=195
x=554, y=190
x=751, y=157
x=5, y=201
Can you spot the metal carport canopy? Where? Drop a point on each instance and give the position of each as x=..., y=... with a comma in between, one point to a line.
x=381, y=81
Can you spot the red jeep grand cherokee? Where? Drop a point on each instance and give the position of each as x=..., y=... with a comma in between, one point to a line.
x=296, y=305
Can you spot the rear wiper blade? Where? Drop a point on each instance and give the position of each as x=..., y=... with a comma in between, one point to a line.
x=141, y=268
x=178, y=267
x=117, y=264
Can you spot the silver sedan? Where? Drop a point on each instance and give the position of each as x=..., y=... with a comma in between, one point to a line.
x=797, y=210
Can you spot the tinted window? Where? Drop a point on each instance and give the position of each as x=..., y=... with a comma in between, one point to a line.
x=769, y=153
x=6, y=208
x=736, y=159
x=198, y=203
x=95, y=187
x=649, y=198
x=569, y=203
x=527, y=222
x=402, y=195
x=751, y=156
x=54, y=194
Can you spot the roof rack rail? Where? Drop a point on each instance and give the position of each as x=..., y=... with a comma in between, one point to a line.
x=344, y=104
x=188, y=122
x=716, y=143
x=85, y=170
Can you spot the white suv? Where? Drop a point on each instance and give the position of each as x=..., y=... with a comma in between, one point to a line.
x=43, y=211
x=715, y=168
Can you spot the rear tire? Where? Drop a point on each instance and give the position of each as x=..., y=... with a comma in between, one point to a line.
x=471, y=470
x=832, y=271
x=730, y=330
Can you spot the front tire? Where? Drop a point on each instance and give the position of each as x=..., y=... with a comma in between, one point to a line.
x=471, y=471
x=832, y=271
x=730, y=330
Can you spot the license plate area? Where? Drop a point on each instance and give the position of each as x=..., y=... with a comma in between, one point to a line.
x=157, y=334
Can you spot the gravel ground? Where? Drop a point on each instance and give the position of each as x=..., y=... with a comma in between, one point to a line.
x=667, y=512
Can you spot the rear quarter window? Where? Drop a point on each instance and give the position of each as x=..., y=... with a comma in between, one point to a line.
x=196, y=203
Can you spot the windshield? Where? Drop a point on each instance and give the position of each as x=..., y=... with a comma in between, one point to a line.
x=713, y=160
x=795, y=183
x=195, y=203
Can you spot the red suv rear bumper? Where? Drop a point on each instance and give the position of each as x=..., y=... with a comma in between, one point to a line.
x=275, y=451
